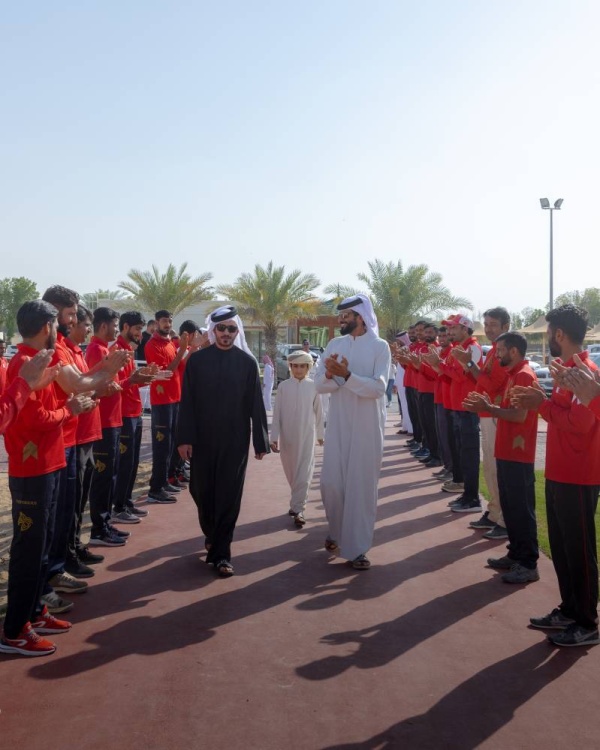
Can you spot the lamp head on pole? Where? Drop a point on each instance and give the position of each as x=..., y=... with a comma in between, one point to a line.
x=544, y=203
x=558, y=203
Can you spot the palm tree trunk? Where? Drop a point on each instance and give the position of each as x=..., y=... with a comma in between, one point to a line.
x=271, y=343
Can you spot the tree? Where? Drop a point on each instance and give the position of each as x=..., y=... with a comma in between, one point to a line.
x=588, y=299
x=530, y=314
x=13, y=293
x=401, y=296
x=274, y=298
x=173, y=291
x=91, y=299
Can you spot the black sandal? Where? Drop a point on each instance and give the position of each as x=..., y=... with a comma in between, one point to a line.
x=224, y=568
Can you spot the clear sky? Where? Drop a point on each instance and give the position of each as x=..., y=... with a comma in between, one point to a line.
x=318, y=134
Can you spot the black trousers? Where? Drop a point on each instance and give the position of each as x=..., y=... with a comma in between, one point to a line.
x=457, y=473
x=443, y=433
x=104, y=478
x=516, y=484
x=165, y=459
x=412, y=398
x=216, y=484
x=427, y=411
x=65, y=506
x=572, y=533
x=33, y=513
x=466, y=435
x=85, y=468
x=129, y=459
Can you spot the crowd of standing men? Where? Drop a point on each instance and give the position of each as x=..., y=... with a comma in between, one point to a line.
x=73, y=432
x=455, y=398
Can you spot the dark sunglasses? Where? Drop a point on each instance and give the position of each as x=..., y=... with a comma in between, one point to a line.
x=221, y=327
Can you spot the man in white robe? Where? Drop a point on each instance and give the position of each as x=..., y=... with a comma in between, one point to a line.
x=297, y=425
x=354, y=371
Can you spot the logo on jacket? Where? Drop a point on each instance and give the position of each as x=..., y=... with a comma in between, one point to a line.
x=30, y=450
x=100, y=466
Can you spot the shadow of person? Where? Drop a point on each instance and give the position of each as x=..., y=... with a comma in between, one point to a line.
x=479, y=707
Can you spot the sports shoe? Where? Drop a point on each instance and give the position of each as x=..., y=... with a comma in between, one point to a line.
x=171, y=488
x=457, y=501
x=575, y=635
x=27, y=643
x=467, y=506
x=483, y=522
x=66, y=583
x=433, y=463
x=78, y=570
x=87, y=557
x=184, y=476
x=422, y=453
x=174, y=482
x=453, y=487
x=501, y=563
x=124, y=516
x=160, y=496
x=299, y=519
x=497, y=532
x=411, y=443
x=439, y=472
x=106, y=539
x=56, y=604
x=554, y=621
x=47, y=623
x=139, y=512
x=118, y=532
x=519, y=574
x=445, y=477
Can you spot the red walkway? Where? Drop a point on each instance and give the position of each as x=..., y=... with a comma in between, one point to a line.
x=428, y=649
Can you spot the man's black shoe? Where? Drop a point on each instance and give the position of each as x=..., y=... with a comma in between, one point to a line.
x=87, y=557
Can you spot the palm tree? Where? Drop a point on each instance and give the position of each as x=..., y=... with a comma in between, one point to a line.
x=91, y=299
x=270, y=296
x=400, y=296
x=173, y=290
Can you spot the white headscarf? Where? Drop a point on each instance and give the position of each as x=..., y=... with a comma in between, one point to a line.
x=227, y=312
x=364, y=308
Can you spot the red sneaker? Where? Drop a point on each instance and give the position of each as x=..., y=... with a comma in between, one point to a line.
x=47, y=623
x=27, y=643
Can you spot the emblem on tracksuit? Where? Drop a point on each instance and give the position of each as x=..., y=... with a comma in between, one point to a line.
x=24, y=522
x=30, y=450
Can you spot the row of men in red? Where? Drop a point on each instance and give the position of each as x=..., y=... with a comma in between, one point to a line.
x=56, y=458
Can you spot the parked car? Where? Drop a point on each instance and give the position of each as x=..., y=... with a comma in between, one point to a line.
x=545, y=379
x=10, y=351
x=283, y=350
x=533, y=364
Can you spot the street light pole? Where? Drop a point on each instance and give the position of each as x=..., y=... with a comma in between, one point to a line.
x=545, y=204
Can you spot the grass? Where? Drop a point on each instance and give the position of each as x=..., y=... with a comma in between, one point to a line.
x=540, y=511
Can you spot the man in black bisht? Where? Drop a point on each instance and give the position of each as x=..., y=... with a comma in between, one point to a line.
x=221, y=396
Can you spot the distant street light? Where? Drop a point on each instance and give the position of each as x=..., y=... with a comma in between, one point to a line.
x=545, y=204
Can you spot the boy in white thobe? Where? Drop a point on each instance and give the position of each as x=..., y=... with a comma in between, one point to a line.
x=354, y=370
x=297, y=420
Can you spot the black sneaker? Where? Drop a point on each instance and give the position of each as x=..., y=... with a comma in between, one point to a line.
x=483, y=522
x=160, y=496
x=87, y=557
x=171, y=488
x=433, y=463
x=117, y=532
x=106, y=539
x=501, y=563
x=139, y=512
x=78, y=570
x=554, y=621
x=411, y=443
x=467, y=506
x=575, y=635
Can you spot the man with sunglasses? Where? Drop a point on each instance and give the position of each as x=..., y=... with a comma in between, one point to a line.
x=221, y=398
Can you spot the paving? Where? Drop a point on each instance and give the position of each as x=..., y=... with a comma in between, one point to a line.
x=428, y=649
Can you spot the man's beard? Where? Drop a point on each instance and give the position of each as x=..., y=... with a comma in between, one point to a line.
x=163, y=333
x=429, y=339
x=555, y=347
x=64, y=329
x=348, y=327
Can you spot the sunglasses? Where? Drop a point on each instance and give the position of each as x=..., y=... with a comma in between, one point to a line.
x=221, y=327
